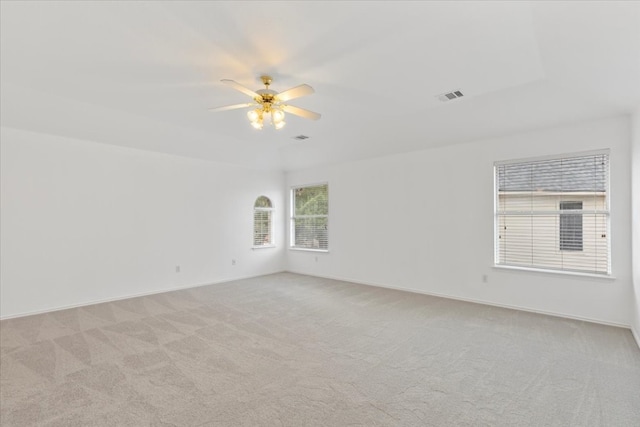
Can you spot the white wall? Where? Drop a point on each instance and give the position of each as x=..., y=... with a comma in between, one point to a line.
x=635, y=167
x=84, y=222
x=423, y=221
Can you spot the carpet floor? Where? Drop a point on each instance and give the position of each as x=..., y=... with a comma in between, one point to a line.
x=293, y=350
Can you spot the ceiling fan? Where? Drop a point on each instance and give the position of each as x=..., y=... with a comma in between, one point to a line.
x=269, y=105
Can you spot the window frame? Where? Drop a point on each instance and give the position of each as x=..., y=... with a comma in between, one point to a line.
x=270, y=210
x=606, y=212
x=292, y=218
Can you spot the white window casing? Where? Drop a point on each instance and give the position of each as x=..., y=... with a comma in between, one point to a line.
x=310, y=217
x=263, y=223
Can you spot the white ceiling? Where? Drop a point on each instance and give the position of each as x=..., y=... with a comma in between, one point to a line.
x=142, y=74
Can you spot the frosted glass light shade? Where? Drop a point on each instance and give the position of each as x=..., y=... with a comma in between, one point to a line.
x=253, y=115
x=277, y=116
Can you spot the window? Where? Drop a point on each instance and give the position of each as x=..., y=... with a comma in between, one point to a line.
x=309, y=217
x=570, y=226
x=262, y=222
x=553, y=213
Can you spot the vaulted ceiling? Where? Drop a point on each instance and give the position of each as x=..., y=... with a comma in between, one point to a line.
x=143, y=74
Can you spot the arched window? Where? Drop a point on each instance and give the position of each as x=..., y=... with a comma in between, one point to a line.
x=262, y=222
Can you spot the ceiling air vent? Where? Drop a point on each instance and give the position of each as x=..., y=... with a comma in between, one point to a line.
x=450, y=96
x=301, y=137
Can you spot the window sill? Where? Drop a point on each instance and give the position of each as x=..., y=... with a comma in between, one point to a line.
x=309, y=250
x=555, y=272
x=263, y=247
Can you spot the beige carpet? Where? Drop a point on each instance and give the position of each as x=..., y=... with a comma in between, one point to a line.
x=294, y=350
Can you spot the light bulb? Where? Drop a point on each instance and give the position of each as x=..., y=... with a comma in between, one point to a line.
x=253, y=115
x=257, y=124
x=277, y=116
x=280, y=124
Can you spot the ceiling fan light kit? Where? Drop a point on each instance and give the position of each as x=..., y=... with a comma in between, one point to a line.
x=268, y=105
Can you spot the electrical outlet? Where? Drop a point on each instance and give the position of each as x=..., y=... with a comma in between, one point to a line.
x=233, y=262
x=177, y=269
x=316, y=259
x=485, y=278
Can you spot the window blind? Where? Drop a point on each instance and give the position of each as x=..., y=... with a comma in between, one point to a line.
x=310, y=217
x=262, y=222
x=261, y=227
x=553, y=213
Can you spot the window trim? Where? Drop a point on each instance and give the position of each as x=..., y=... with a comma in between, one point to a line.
x=554, y=272
x=272, y=244
x=565, y=272
x=292, y=234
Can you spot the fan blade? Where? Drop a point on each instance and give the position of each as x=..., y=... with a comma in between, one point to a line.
x=232, y=107
x=301, y=112
x=295, y=92
x=238, y=86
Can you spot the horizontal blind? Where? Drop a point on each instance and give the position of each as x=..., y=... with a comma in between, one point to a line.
x=554, y=213
x=262, y=222
x=310, y=217
x=261, y=227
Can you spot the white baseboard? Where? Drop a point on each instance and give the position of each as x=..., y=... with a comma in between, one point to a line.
x=100, y=301
x=475, y=301
x=635, y=334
